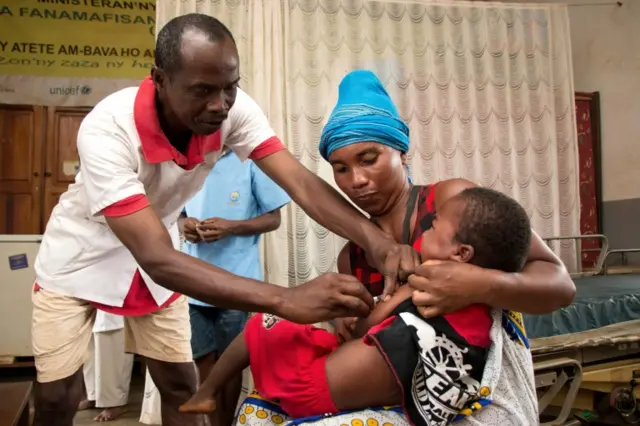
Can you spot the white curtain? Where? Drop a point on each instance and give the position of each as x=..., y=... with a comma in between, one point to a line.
x=486, y=89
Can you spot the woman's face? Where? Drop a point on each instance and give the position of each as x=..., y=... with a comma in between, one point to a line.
x=371, y=174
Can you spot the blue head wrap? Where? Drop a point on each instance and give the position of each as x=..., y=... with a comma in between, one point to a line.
x=364, y=112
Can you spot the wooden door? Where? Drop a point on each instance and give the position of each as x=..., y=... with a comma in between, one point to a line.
x=21, y=168
x=61, y=154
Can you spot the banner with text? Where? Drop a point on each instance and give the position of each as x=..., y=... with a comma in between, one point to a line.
x=73, y=52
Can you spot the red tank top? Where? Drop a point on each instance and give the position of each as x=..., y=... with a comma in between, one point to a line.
x=367, y=274
x=472, y=322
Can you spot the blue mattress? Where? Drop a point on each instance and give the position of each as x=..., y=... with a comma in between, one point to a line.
x=600, y=301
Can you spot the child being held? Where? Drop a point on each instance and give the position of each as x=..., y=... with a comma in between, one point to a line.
x=430, y=366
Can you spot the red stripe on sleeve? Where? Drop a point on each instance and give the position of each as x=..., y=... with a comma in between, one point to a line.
x=266, y=148
x=128, y=206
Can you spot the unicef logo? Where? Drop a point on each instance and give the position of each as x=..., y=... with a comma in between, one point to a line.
x=71, y=91
x=234, y=197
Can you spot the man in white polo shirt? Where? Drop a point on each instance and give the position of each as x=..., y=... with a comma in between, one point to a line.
x=110, y=242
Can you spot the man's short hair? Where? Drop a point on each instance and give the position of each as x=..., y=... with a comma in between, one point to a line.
x=497, y=227
x=167, y=54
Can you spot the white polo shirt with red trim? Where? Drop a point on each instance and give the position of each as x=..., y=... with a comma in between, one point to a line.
x=127, y=164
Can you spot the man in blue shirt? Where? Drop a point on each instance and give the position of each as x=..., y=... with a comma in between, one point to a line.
x=223, y=225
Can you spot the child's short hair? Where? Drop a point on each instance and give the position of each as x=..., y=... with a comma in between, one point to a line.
x=497, y=227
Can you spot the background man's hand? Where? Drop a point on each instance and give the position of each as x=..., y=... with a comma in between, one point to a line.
x=215, y=229
x=189, y=229
x=396, y=262
x=325, y=298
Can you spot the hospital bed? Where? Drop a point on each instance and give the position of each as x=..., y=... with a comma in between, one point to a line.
x=587, y=355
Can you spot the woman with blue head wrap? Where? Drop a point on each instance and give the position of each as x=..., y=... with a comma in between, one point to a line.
x=364, y=112
x=366, y=142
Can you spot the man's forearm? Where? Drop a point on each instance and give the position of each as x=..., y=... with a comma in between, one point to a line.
x=197, y=279
x=327, y=207
x=258, y=225
x=144, y=234
x=540, y=288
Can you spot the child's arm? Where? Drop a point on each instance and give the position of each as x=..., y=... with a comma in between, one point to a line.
x=231, y=363
x=381, y=311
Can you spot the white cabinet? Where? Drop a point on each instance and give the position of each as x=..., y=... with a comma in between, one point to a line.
x=17, y=255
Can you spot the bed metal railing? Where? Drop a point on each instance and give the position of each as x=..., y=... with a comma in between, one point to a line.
x=602, y=256
x=551, y=377
x=624, y=261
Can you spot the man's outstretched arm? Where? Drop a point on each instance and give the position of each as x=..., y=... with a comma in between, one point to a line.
x=147, y=239
x=149, y=242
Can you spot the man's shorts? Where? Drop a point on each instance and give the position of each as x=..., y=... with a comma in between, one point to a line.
x=213, y=329
x=62, y=327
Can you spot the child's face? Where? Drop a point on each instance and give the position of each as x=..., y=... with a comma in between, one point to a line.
x=438, y=242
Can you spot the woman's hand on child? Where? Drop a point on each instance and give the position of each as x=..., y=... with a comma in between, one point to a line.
x=395, y=261
x=441, y=287
x=344, y=328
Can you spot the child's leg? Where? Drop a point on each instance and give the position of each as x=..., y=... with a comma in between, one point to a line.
x=359, y=377
x=233, y=360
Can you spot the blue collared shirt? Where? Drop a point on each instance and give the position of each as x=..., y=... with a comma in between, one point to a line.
x=236, y=191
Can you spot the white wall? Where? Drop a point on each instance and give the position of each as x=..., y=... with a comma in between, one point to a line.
x=606, y=58
x=605, y=42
